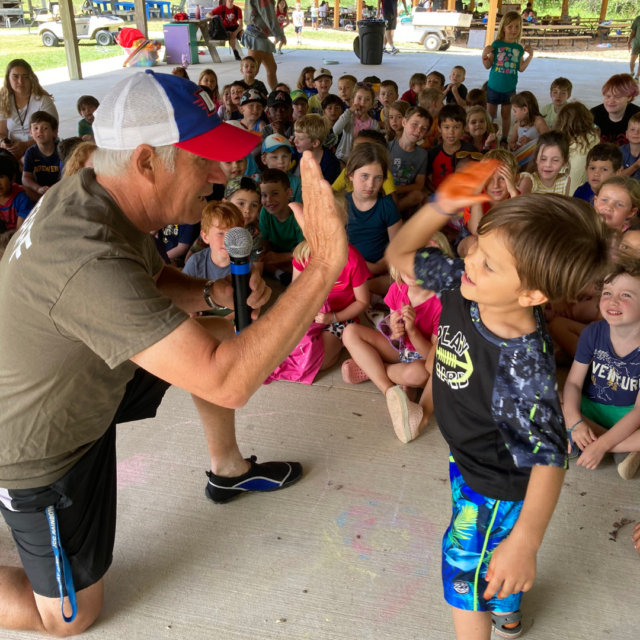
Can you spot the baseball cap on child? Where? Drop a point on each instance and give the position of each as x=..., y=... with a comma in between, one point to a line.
x=298, y=94
x=251, y=95
x=275, y=141
x=159, y=109
x=322, y=72
x=240, y=183
x=278, y=97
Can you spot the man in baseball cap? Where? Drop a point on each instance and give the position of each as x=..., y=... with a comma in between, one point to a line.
x=95, y=328
x=279, y=111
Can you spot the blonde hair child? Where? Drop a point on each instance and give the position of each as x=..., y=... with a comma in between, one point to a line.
x=479, y=129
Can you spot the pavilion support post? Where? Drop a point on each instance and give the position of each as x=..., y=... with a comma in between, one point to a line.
x=472, y=5
x=451, y=5
x=70, y=37
x=499, y=6
x=603, y=10
x=140, y=16
x=359, y=5
x=336, y=14
x=491, y=22
x=565, y=9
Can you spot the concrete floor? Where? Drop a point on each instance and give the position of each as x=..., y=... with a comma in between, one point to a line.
x=352, y=552
x=587, y=76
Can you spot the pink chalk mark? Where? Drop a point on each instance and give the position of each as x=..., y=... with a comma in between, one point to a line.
x=133, y=471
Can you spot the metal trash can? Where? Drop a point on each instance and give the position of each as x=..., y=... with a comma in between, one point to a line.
x=369, y=42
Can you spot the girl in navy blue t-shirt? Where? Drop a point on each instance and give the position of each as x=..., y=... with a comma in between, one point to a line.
x=373, y=217
x=601, y=403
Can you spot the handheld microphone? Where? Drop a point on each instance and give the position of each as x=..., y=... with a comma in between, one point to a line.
x=238, y=243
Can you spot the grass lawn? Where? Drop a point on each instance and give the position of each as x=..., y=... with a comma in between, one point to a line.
x=31, y=49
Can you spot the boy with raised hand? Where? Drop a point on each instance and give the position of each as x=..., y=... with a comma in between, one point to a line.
x=455, y=92
x=603, y=161
x=560, y=93
x=494, y=386
x=408, y=162
x=322, y=81
x=42, y=166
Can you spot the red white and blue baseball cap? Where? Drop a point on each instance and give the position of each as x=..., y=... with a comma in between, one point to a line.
x=160, y=109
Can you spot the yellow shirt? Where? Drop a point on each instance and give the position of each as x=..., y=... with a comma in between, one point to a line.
x=341, y=184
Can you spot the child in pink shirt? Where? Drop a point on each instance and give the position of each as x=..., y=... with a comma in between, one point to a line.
x=393, y=357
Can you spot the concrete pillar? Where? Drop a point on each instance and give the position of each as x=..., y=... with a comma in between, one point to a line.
x=140, y=16
x=491, y=22
x=336, y=14
x=70, y=36
x=603, y=10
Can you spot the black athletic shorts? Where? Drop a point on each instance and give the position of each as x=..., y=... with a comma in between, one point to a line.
x=85, y=503
x=390, y=21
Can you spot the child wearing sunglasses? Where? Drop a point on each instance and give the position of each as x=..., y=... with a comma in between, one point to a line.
x=395, y=354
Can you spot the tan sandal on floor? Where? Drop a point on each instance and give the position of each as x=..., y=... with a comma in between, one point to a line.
x=628, y=464
x=405, y=415
x=352, y=373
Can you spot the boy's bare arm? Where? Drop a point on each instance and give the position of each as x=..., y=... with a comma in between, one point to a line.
x=513, y=564
x=29, y=181
x=418, y=185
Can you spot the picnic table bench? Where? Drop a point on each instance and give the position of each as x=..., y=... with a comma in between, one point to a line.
x=556, y=34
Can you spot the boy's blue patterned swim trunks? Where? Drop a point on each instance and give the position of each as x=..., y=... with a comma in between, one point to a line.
x=478, y=526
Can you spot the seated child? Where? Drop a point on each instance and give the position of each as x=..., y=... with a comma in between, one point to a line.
x=603, y=161
x=601, y=392
x=355, y=119
x=395, y=354
x=346, y=86
x=322, y=81
x=529, y=126
x=476, y=98
x=15, y=204
x=177, y=240
x=348, y=298
x=387, y=95
x=500, y=186
x=180, y=72
x=617, y=200
x=631, y=151
x=408, y=161
x=249, y=71
x=441, y=160
x=213, y=263
x=551, y=157
x=417, y=83
x=5, y=238
x=494, y=383
x=433, y=101
x=245, y=195
x=373, y=218
x=86, y=106
x=300, y=103
x=435, y=80
x=279, y=111
x=277, y=153
x=560, y=93
x=81, y=157
x=310, y=134
x=371, y=136
x=251, y=108
x=455, y=92
x=42, y=167
x=479, y=130
x=228, y=107
x=305, y=82
x=209, y=79
x=393, y=122
x=278, y=226
x=332, y=108
x=612, y=116
x=66, y=148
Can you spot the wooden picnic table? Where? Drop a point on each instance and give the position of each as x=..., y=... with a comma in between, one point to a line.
x=557, y=32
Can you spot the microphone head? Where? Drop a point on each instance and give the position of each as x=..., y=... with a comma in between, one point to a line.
x=238, y=242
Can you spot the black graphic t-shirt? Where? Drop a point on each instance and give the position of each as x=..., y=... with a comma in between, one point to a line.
x=615, y=132
x=440, y=164
x=496, y=400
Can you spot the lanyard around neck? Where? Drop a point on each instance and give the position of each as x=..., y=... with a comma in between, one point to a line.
x=26, y=110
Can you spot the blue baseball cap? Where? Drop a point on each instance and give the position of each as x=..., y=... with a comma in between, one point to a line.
x=160, y=109
x=275, y=141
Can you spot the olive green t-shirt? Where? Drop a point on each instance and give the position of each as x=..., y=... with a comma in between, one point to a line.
x=636, y=27
x=77, y=300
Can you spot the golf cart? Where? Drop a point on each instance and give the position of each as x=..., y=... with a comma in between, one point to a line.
x=101, y=28
x=436, y=30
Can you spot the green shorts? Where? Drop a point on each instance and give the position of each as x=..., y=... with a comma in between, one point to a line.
x=635, y=49
x=606, y=415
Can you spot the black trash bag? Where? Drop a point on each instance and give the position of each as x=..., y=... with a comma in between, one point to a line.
x=217, y=30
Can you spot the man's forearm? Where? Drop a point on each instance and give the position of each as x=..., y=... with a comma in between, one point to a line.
x=540, y=502
x=185, y=291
